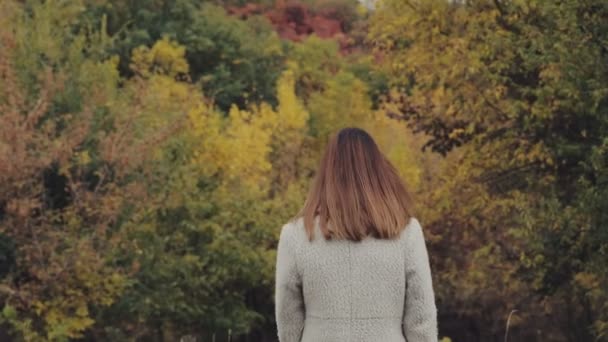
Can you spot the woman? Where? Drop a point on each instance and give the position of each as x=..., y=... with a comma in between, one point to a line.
x=353, y=265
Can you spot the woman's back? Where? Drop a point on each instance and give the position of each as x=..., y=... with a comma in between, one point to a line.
x=341, y=290
x=353, y=266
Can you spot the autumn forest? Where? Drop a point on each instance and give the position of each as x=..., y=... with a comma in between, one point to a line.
x=151, y=150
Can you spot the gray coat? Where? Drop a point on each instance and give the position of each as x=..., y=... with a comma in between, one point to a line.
x=368, y=291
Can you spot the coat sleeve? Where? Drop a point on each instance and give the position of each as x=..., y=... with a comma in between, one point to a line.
x=289, y=301
x=420, y=312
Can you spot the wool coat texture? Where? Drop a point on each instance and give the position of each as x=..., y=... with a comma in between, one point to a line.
x=368, y=291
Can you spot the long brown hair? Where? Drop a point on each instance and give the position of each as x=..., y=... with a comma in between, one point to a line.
x=356, y=191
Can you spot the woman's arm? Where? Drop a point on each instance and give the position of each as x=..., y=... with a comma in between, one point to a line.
x=289, y=302
x=420, y=312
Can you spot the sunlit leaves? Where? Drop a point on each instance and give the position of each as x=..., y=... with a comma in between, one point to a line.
x=165, y=57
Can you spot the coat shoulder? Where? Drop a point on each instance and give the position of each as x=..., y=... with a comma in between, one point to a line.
x=294, y=230
x=412, y=231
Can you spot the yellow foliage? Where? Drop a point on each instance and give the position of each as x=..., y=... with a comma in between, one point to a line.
x=291, y=113
x=246, y=144
x=401, y=147
x=343, y=103
x=239, y=145
x=165, y=57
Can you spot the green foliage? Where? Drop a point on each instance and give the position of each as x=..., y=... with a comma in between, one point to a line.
x=313, y=62
x=7, y=255
x=150, y=151
x=521, y=87
x=236, y=62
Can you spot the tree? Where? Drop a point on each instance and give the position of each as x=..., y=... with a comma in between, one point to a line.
x=518, y=88
x=70, y=167
x=235, y=61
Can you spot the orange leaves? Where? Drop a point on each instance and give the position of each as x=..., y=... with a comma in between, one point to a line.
x=21, y=208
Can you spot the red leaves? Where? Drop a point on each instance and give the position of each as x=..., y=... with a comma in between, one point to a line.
x=294, y=21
